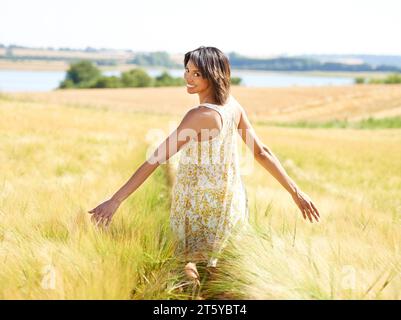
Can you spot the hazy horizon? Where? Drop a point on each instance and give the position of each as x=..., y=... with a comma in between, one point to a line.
x=238, y=52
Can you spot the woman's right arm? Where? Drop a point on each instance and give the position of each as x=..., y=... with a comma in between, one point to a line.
x=189, y=127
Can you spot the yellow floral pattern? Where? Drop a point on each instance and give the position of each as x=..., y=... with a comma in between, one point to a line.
x=209, y=198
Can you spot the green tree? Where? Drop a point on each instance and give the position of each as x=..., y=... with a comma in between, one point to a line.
x=166, y=80
x=393, y=79
x=235, y=81
x=82, y=74
x=359, y=80
x=66, y=84
x=136, y=78
x=108, y=82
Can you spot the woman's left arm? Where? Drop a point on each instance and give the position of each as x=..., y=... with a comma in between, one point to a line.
x=270, y=162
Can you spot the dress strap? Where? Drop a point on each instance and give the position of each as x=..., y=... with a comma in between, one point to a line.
x=214, y=107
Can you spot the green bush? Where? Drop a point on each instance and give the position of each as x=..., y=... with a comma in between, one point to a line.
x=136, y=78
x=359, y=80
x=82, y=74
x=67, y=84
x=394, y=78
x=235, y=81
x=166, y=80
x=108, y=82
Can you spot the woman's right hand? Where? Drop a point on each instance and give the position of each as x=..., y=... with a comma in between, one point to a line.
x=306, y=205
x=104, y=212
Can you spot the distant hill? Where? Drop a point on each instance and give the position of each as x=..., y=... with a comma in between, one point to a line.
x=373, y=60
x=112, y=57
x=308, y=63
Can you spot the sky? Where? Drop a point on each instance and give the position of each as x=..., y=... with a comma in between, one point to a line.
x=253, y=27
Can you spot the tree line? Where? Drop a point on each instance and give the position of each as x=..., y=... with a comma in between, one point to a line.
x=303, y=64
x=237, y=61
x=84, y=74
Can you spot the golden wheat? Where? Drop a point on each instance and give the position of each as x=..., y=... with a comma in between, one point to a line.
x=64, y=151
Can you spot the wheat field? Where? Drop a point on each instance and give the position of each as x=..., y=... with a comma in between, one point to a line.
x=63, y=152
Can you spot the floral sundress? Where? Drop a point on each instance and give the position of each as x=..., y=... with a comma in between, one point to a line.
x=209, y=199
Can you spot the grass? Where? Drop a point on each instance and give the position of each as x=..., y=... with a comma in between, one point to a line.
x=64, y=153
x=58, y=164
x=368, y=123
x=353, y=252
x=285, y=105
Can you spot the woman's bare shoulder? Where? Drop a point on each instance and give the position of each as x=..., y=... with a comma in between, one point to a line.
x=202, y=117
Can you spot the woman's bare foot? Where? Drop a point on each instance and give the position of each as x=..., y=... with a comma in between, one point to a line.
x=191, y=271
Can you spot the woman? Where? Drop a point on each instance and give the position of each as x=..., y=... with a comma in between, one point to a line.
x=209, y=199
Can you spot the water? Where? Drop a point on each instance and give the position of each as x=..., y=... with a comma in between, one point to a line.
x=15, y=80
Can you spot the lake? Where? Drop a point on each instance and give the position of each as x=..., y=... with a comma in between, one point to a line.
x=16, y=80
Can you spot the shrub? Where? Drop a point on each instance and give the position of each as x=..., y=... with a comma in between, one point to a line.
x=235, y=81
x=359, y=80
x=136, y=78
x=108, y=82
x=81, y=74
x=166, y=80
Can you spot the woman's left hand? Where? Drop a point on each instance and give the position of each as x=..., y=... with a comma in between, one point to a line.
x=103, y=213
x=306, y=205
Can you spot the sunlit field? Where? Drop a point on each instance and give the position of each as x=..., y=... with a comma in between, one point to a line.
x=263, y=104
x=64, y=152
x=58, y=163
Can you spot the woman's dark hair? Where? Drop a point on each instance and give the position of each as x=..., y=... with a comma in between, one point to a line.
x=214, y=66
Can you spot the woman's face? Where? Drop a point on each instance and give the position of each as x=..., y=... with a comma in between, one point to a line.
x=194, y=80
